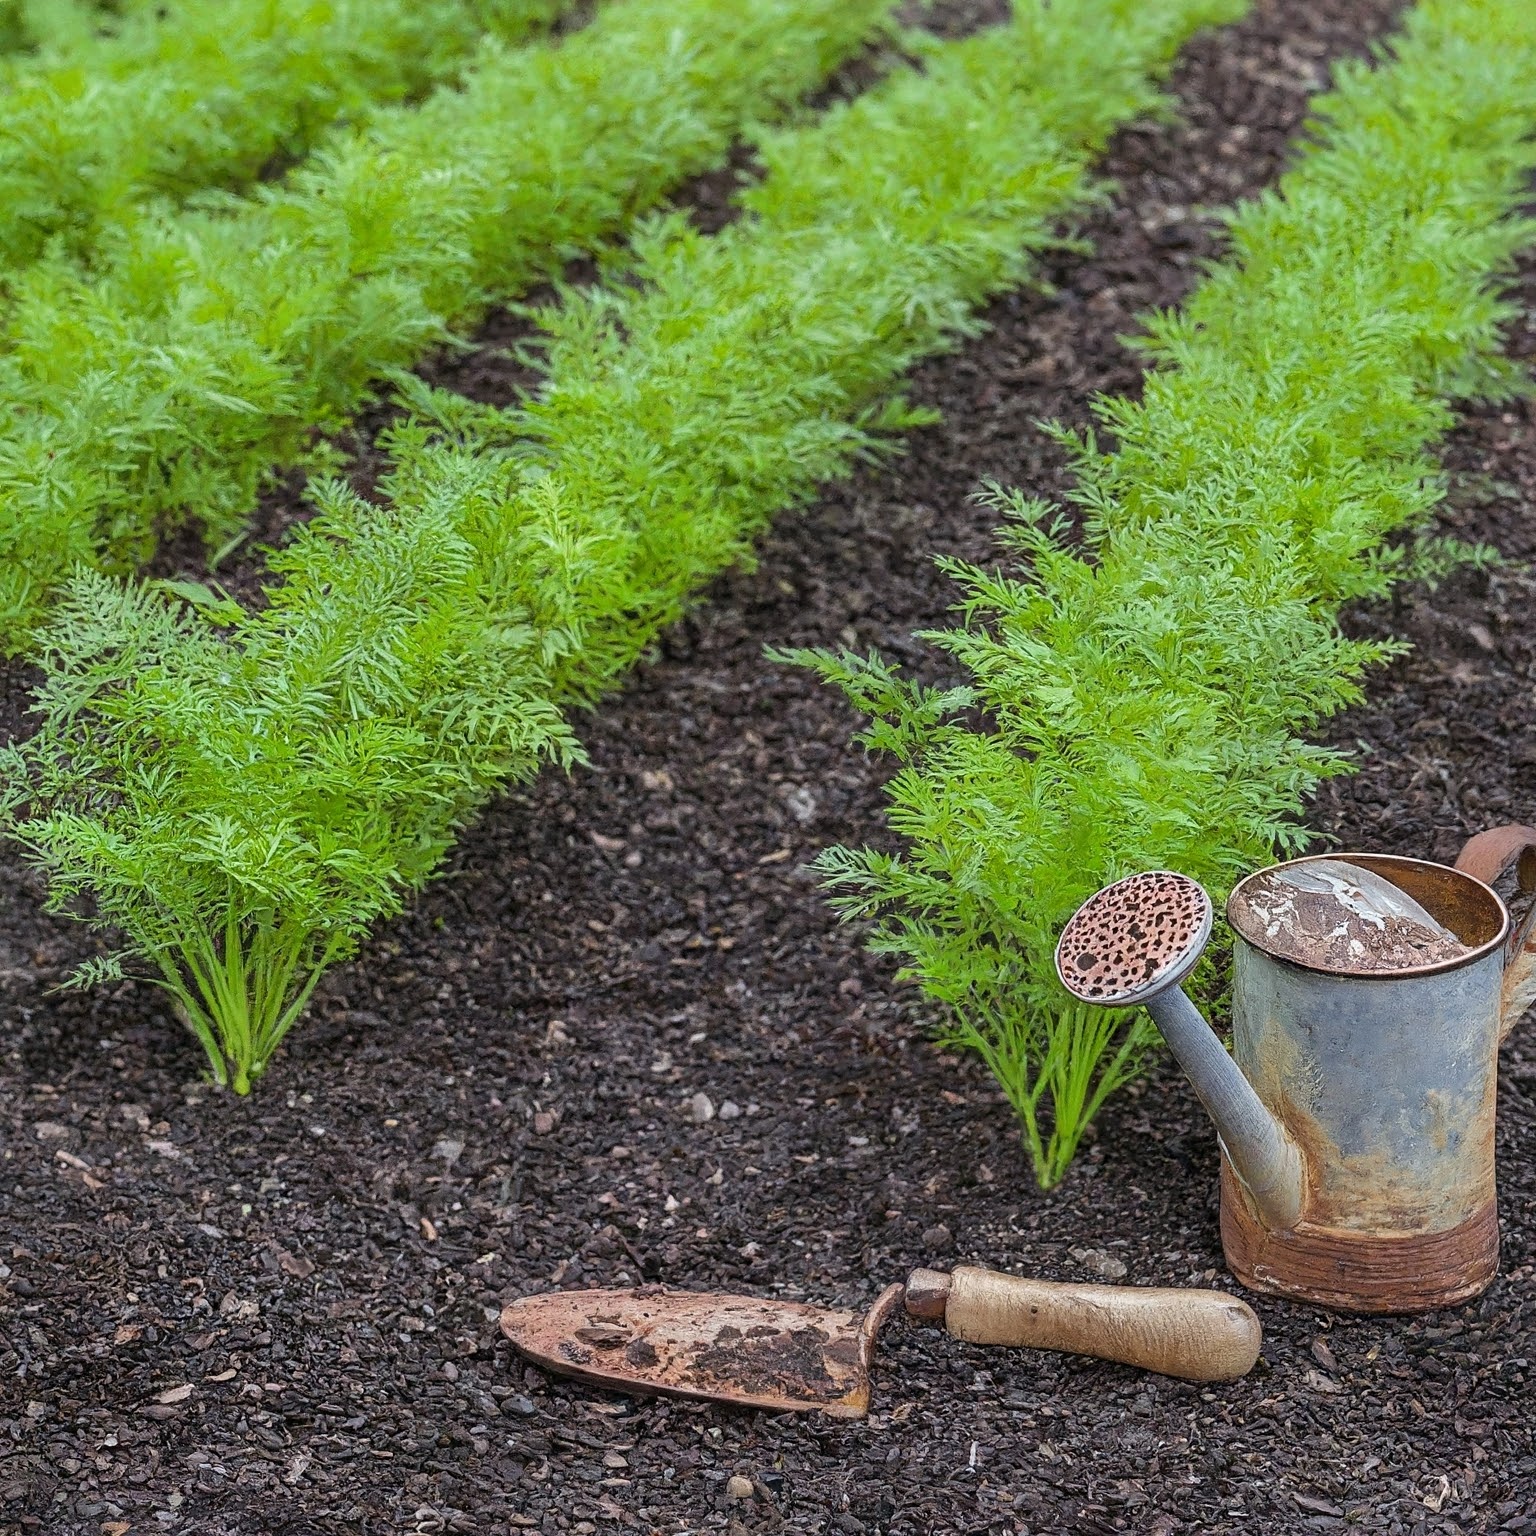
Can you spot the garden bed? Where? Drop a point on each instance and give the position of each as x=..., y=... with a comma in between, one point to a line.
x=497, y=1095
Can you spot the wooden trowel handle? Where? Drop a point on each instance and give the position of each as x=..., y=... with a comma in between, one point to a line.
x=1198, y=1335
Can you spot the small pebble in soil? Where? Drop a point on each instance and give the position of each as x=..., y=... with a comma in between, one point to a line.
x=802, y=803
x=730, y=1110
x=701, y=1109
x=938, y=1238
x=448, y=1150
x=739, y=1487
x=1099, y=1261
x=235, y=1309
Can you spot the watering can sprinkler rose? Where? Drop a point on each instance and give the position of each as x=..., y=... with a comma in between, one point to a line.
x=1356, y=1111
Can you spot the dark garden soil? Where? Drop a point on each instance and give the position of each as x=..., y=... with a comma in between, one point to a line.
x=278, y=1315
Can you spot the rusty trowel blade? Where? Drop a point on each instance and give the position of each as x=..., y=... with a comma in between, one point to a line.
x=732, y=1349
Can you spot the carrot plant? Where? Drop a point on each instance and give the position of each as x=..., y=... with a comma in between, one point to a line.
x=213, y=343
x=169, y=100
x=1145, y=695
x=240, y=793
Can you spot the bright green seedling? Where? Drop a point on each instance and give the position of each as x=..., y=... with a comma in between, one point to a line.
x=271, y=797
x=1147, y=693
x=212, y=345
x=207, y=93
x=241, y=794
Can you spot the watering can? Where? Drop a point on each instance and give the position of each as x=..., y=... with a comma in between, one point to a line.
x=1356, y=1110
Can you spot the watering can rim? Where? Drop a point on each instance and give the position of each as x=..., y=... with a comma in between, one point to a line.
x=1369, y=860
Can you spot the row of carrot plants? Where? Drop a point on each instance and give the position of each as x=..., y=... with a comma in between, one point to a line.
x=211, y=344
x=1149, y=685
x=243, y=793
x=209, y=93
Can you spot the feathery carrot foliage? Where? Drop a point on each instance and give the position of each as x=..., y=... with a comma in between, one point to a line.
x=242, y=793
x=200, y=93
x=212, y=343
x=54, y=27
x=1146, y=695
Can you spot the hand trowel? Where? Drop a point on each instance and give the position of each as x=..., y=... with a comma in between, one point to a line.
x=786, y=1355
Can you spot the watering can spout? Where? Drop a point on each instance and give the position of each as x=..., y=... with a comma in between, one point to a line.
x=1260, y=1151
x=1131, y=945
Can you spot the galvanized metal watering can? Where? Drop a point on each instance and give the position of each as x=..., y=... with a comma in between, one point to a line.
x=1356, y=1111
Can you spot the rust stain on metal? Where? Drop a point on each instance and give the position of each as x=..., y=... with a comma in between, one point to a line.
x=804, y=1361
x=1359, y=1271
x=1490, y=854
x=1488, y=857
x=1288, y=1078
x=756, y=1352
x=1368, y=1190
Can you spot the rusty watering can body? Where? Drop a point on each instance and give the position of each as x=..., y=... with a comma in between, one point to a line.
x=1356, y=1110
x=1386, y=1084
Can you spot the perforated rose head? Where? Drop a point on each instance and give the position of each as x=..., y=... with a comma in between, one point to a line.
x=1134, y=939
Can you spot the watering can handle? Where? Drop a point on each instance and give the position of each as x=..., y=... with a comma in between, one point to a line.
x=1486, y=857
x=1490, y=854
